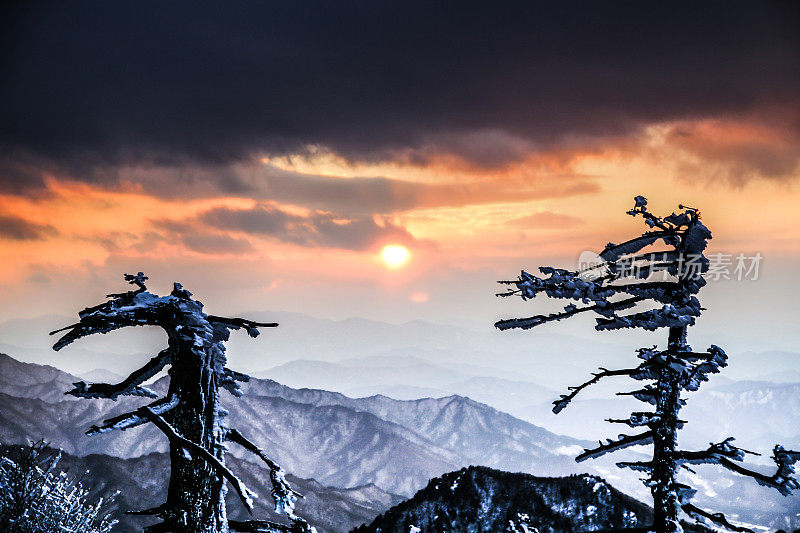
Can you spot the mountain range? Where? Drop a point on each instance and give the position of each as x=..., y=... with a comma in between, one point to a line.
x=350, y=442
x=142, y=485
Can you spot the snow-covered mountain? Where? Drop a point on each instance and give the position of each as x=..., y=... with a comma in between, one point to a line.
x=479, y=499
x=318, y=434
x=396, y=445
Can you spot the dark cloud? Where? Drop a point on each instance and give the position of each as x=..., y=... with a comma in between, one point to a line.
x=736, y=153
x=196, y=238
x=315, y=230
x=18, y=229
x=362, y=196
x=90, y=88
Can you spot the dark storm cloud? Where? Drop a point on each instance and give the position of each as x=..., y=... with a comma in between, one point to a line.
x=91, y=87
x=315, y=230
x=18, y=229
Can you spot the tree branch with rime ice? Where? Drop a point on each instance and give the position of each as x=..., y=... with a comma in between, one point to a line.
x=623, y=441
x=135, y=418
x=560, y=404
x=196, y=355
x=717, y=518
x=245, y=494
x=628, y=269
x=283, y=494
x=128, y=387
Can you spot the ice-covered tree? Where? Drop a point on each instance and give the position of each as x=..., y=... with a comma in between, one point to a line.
x=625, y=277
x=190, y=414
x=35, y=497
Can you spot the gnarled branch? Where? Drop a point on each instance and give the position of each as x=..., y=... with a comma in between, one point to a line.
x=782, y=480
x=128, y=387
x=261, y=526
x=245, y=494
x=282, y=493
x=134, y=418
x=717, y=518
x=536, y=320
x=713, y=454
x=624, y=441
x=565, y=399
x=236, y=323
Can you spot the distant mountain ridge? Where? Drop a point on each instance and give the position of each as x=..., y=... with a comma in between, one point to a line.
x=142, y=484
x=317, y=434
x=396, y=445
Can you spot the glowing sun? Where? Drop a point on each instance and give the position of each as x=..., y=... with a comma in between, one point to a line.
x=395, y=256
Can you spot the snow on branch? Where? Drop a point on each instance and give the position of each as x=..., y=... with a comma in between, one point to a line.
x=245, y=494
x=639, y=466
x=570, y=310
x=713, y=454
x=708, y=363
x=565, y=399
x=638, y=419
x=264, y=526
x=624, y=441
x=228, y=380
x=235, y=323
x=647, y=394
x=282, y=493
x=128, y=387
x=717, y=518
x=135, y=418
x=612, y=251
x=782, y=480
x=668, y=316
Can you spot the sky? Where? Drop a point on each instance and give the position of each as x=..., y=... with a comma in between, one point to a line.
x=264, y=154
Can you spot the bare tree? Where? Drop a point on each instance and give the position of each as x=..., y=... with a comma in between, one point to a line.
x=623, y=278
x=190, y=415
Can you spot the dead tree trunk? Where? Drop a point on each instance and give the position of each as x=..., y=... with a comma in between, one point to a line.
x=666, y=506
x=623, y=279
x=196, y=491
x=190, y=414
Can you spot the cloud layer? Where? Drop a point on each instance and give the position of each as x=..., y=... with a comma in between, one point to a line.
x=96, y=88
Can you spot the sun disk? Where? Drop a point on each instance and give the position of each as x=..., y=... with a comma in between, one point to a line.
x=395, y=256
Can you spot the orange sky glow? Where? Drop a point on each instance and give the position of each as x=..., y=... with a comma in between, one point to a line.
x=548, y=206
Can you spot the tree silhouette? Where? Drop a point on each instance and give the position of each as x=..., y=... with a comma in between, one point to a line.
x=622, y=278
x=190, y=414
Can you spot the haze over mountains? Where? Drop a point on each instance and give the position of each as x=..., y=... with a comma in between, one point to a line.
x=349, y=442
x=451, y=397
x=552, y=358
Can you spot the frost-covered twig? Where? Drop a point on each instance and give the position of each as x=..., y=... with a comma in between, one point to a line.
x=235, y=323
x=533, y=321
x=135, y=418
x=261, y=526
x=245, y=494
x=718, y=518
x=782, y=480
x=282, y=493
x=624, y=441
x=560, y=404
x=128, y=387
